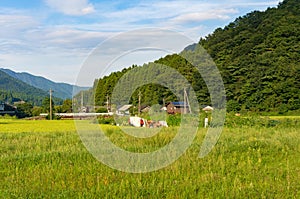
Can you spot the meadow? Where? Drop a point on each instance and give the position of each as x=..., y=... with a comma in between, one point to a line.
x=46, y=159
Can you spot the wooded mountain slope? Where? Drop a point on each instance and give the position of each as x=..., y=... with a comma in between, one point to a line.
x=61, y=90
x=12, y=90
x=258, y=56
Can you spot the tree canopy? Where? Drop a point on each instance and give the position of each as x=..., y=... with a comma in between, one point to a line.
x=257, y=55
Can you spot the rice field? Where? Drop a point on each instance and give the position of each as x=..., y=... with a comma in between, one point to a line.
x=46, y=159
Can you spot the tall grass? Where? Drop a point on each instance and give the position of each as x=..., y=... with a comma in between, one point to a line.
x=46, y=159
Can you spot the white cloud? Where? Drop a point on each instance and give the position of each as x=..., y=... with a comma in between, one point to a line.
x=71, y=7
x=46, y=42
x=221, y=14
x=12, y=25
x=67, y=37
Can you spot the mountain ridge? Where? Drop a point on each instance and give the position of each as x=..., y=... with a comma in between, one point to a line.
x=13, y=90
x=61, y=90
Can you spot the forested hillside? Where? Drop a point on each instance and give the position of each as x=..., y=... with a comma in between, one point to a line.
x=13, y=90
x=62, y=90
x=258, y=56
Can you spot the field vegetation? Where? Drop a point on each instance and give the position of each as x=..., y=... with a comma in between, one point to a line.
x=46, y=159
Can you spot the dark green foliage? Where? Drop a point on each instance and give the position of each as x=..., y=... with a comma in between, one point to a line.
x=61, y=90
x=13, y=90
x=106, y=120
x=101, y=110
x=66, y=106
x=233, y=106
x=36, y=110
x=104, y=87
x=257, y=55
x=174, y=120
x=46, y=105
x=24, y=110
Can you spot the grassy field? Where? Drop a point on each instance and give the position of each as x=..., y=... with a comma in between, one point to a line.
x=285, y=117
x=46, y=159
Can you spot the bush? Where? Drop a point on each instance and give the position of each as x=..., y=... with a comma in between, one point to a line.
x=174, y=120
x=106, y=120
x=101, y=110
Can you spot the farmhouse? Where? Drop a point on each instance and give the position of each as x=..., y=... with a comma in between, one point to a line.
x=177, y=107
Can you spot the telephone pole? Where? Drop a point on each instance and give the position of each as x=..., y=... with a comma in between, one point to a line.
x=81, y=101
x=139, y=111
x=50, y=103
x=107, y=103
x=186, y=102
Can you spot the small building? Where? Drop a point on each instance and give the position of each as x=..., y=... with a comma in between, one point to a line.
x=145, y=109
x=6, y=109
x=124, y=110
x=2, y=106
x=177, y=107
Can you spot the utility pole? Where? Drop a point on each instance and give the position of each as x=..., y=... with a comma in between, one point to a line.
x=107, y=103
x=139, y=111
x=186, y=102
x=50, y=103
x=81, y=101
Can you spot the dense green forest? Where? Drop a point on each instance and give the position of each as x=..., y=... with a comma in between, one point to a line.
x=28, y=100
x=62, y=90
x=258, y=56
x=13, y=90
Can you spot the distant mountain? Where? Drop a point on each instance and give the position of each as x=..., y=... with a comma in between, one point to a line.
x=61, y=90
x=12, y=90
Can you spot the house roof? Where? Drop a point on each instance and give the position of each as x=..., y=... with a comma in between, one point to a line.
x=208, y=108
x=125, y=107
x=179, y=104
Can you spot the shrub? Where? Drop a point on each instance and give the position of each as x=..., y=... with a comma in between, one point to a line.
x=106, y=120
x=174, y=120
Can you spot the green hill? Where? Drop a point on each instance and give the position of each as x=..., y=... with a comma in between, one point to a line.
x=61, y=90
x=12, y=90
x=257, y=55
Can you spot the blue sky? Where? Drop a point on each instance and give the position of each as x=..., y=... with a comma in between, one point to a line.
x=52, y=38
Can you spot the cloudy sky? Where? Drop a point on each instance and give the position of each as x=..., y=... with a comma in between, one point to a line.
x=53, y=38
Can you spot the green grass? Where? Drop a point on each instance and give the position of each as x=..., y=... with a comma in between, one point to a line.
x=46, y=159
x=285, y=117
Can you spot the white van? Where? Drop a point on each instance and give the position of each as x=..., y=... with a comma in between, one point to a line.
x=137, y=121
